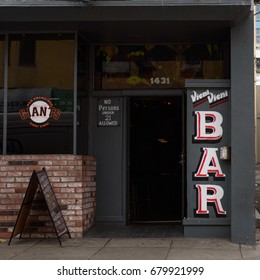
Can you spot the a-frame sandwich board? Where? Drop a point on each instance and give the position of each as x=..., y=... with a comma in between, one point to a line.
x=40, y=179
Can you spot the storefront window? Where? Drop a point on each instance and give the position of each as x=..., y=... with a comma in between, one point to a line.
x=82, y=95
x=40, y=94
x=2, y=48
x=157, y=66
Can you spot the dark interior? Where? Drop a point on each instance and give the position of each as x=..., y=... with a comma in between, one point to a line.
x=155, y=149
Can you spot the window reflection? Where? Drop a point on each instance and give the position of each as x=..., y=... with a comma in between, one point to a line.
x=40, y=94
x=157, y=66
x=2, y=50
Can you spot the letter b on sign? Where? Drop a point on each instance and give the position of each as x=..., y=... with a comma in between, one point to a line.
x=208, y=126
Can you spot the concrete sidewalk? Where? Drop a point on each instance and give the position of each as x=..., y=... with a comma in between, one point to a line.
x=129, y=248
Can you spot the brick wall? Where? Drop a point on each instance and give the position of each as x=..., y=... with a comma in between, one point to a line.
x=73, y=181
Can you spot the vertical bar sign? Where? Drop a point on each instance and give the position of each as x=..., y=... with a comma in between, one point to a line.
x=208, y=157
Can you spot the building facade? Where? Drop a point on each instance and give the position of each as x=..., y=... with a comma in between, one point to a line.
x=157, y=93
x=257, y=77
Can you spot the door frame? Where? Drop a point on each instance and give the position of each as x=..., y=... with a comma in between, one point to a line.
x=154, y=93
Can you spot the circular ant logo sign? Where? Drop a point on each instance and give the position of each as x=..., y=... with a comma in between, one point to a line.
x=39, y=110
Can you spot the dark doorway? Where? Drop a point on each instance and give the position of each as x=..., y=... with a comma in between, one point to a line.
x=156, y=136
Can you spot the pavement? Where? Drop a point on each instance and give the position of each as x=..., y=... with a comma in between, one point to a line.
x=129, y=249
x=138, y=248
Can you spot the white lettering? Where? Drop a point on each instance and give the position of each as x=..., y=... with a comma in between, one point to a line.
x=197, y=97
x=108, y=108
x=212, y=98
x=107, y=101
x=209, y=164
x=204, y=198
x=205, y=130
x=108, y=123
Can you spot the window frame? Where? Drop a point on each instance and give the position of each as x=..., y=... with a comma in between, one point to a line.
x=7, y=40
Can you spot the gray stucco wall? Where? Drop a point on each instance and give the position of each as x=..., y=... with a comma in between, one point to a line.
x=107, y=143
x=242, y=133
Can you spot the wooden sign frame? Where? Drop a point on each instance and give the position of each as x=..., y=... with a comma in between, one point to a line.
x=40, y=179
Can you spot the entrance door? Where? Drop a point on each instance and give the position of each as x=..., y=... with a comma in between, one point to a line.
x=156, y=132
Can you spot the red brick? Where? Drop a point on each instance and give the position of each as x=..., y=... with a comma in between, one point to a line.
x=21, y=190
x=14, y=173
x=69, y=183
x=79, y=224
x=7, y=168
x=68, y=179
x=13, y=207
x=67, y=157
x=77, y=185
x=45, y=162
x=22, y=179
x=6, y=179
x=7, y=190
x=14, y=185
x=59, y=173
x=72, y=162
x=61, y=195
x=5, y=234
x=54, y=179
x=74, y=195
x=60, y=162
x=67, y=168
x=75, y=207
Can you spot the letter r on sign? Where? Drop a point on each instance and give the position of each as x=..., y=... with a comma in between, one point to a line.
x=204, y=198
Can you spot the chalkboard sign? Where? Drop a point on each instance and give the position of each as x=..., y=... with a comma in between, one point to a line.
x=52, y=203
x=40, y=179
x=108, y=112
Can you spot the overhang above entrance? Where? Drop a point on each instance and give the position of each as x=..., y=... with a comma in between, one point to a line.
x=105, y=11
x=99, y=11
x=126, y=21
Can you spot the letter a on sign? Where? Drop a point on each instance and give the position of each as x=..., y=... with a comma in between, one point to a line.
x=209, y=164
x=204, y=198
x=208, y=126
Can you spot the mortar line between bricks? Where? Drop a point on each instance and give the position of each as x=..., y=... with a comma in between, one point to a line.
x=169, y=250
x=100, y=249
x=25, y=249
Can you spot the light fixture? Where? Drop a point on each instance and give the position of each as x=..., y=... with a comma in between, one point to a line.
x=162, y=140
